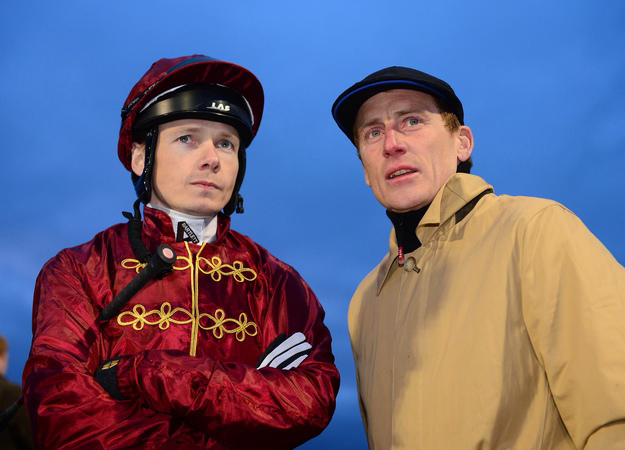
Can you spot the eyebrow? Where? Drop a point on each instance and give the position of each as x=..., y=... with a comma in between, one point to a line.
x=194, y=129
x=188, y=129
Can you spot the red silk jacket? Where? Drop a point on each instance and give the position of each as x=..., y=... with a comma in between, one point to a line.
x=192, y=340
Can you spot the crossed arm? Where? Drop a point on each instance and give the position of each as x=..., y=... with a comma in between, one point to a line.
x=171, y=398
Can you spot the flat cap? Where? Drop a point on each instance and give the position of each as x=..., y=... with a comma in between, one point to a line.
x=346, y=106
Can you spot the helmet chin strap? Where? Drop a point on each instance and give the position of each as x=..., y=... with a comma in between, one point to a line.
x=143, y=184
x=134, y=234
x=143, y=188
x=235, y=204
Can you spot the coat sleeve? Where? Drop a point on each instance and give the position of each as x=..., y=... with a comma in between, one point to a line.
x=574, y=308
x=67, y=407
x=236, y=403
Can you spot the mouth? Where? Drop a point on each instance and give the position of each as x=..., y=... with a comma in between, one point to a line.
x=399, y=173
x=205, y=184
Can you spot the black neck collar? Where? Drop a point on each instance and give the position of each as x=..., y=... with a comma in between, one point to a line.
x=406, y=226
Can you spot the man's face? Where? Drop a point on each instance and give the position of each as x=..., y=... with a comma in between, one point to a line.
x=407, y=151
x=195, y=168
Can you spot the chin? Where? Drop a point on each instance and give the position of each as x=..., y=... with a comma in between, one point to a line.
x=402, y=207
x=201, y=211
x=205, y=213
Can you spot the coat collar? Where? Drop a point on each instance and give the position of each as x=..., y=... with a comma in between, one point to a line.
x=452, y=202
x=158, y=225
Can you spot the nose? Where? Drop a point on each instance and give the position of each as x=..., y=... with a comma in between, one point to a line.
x=208, y=157
x=393, y=143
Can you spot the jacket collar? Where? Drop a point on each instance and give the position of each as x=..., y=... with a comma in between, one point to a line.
x=158, y=225
x=451, y=204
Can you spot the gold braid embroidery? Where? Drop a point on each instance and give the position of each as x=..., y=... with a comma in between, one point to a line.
x=195, y=301
x=132, y=264
x=139, y=317
x=219, y=326
x=165, y=314
x=236, y=270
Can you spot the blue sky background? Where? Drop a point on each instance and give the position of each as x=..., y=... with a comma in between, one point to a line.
x=542, y=83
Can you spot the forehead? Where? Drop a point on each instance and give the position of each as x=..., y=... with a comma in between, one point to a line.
x=389, y=103
x=198, y=125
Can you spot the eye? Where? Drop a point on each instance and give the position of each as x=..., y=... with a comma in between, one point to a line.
x=224, y=143
x=412, y=121
x=185, y=139
x=372, y=134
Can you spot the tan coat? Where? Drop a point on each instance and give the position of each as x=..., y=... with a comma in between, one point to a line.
x=505, y=330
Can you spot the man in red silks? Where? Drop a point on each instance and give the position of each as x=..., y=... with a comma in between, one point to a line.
x=228, y=349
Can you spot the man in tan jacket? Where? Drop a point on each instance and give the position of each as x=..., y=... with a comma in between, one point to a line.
x=494, y=322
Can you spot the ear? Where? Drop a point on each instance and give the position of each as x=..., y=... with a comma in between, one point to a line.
x=138, y=158
x=4, y=363
x=465, y=147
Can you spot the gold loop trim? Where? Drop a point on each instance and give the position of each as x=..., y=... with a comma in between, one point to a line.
x=133, y=264
x=219, y=327
x=163, y=317
x=218, y=268
x=139, y=317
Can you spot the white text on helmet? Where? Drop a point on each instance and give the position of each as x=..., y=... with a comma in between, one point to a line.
x=220, y=106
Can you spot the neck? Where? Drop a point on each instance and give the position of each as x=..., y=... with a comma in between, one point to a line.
x=195, y=229
x=406, y=229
